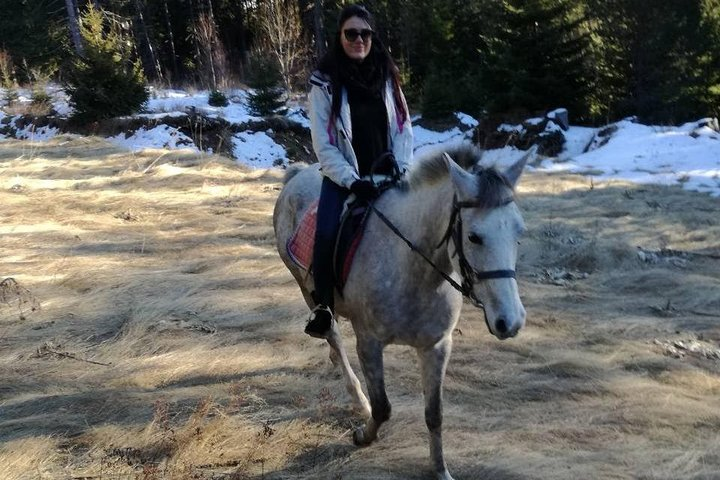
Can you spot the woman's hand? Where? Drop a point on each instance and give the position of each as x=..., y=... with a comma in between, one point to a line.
x=364, y=190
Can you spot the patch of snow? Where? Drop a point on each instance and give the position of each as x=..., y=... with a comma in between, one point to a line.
x=506, y=127
x=577, y=139
x=157, y=116
x=35, y=134
x=162, y=136
x=649, y=154
x=424, y=139
x=299, y=115
x=258, y=150
x=466, y=119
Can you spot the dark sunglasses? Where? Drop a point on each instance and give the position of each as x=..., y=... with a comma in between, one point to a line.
x=352, y=34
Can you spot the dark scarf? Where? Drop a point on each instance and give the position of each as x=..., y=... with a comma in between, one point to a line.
x=365, y=79
x=365, y=85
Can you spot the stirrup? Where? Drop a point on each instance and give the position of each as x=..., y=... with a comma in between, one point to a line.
x=319, y=322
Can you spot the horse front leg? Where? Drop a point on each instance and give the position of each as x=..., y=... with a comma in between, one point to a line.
x=338, y=355
x=433, y=362
x=370, y=352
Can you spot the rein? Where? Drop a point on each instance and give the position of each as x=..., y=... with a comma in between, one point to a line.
x=454, y=231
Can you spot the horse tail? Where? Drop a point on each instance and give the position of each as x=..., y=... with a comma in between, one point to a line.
x=293, y=170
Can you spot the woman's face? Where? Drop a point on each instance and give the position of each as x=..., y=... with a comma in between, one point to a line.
x=356, y=38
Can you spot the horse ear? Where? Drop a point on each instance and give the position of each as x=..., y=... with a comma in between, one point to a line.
x=512, y=174
x=465, y=183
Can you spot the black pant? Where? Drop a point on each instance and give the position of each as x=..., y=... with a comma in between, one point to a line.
x=332, y=199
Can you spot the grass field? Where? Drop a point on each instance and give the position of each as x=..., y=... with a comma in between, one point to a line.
x=150, y=331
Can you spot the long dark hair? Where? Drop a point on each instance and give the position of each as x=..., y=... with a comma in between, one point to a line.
x=335, y=59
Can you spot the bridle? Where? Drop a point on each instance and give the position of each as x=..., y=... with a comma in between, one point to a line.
x=454, y=232
x=468, y=273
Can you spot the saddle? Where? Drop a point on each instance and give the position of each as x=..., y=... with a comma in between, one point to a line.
x=352, y=224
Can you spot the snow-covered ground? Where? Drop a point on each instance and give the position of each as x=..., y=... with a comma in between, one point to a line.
x=688, y=154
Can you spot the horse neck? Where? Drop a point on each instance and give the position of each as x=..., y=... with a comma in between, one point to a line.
x=429, y=208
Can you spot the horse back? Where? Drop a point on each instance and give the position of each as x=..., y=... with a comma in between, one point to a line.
x=300, y=190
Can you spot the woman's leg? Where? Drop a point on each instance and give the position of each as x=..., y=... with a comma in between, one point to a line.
x=332, y=198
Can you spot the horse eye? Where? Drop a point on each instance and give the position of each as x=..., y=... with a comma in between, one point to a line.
x=475, y=238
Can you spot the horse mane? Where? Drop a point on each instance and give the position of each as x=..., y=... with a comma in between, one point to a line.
x=432, y=168
x=292, y=170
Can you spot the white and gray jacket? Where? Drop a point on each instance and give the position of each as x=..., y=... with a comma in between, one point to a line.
x=332, y=141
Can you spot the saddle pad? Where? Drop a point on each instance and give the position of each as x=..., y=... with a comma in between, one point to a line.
x=351, y=231
x=300, y=245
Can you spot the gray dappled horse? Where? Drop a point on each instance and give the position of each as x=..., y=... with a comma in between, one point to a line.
x=466, y=225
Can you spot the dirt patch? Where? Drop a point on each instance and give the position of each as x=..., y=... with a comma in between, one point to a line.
x=169, y=344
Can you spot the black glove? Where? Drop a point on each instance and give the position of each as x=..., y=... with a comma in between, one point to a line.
x=364, y=190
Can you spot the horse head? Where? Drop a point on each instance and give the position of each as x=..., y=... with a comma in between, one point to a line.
x=485, y=227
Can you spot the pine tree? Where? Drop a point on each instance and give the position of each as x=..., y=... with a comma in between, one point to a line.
x=539, y=60
x=105, y=82
x=34, y=34
x=266, y=80
x=661, y=58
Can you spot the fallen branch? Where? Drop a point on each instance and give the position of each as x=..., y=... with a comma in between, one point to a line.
x=46, y=350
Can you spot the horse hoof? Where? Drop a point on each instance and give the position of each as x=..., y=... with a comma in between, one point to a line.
x=359, y=438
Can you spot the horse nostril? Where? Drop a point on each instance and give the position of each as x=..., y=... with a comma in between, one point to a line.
x=501, y=326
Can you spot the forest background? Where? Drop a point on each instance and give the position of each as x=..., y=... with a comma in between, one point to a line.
x=603, y=60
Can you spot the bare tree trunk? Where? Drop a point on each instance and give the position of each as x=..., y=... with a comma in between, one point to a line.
x=74, y=27
x=241, y=36
x=149, y=59
x=195, y=36
x=282, y=34
x=311, y=14
x=212, y=54
x=171, y=38
x=319, y=29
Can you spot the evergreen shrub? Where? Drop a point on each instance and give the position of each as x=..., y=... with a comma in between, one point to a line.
x=268, y=96
x=217, y=99
x=41, y=101
x=106, y=81
x=10, y=96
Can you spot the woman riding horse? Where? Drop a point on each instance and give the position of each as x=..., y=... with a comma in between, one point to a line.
x=358, y=114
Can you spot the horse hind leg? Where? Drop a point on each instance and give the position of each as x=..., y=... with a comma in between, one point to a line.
x=338, y=355
x=433, y=363
x=371, y=358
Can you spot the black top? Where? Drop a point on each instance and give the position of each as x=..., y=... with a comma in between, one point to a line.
x=369, y=128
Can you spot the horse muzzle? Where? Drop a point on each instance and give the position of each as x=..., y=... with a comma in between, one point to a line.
x=506, y=326
x=505, y=329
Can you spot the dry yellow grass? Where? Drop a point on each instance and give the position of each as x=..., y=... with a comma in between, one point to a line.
x=169, y=341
